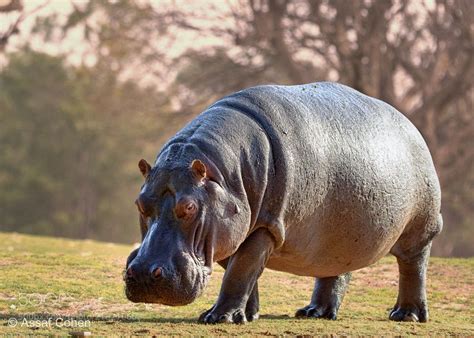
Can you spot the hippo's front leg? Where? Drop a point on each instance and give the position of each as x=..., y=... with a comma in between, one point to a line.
x=252, y=307
x=240, y=277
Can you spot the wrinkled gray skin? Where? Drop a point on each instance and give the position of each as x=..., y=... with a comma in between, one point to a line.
x=315, y=180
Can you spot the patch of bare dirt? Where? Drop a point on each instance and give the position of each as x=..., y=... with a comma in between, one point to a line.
x=379, y=275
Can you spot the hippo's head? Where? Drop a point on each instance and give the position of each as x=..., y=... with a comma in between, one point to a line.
x=188, y=219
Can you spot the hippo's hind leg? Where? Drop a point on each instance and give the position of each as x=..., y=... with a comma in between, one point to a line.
x=327, y=297
x=412, y=251
x=411, y=303
x=253, y=305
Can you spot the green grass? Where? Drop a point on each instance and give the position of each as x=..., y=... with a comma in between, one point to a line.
x=43, y=278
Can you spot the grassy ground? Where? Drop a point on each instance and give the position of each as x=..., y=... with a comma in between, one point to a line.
x=53, y=286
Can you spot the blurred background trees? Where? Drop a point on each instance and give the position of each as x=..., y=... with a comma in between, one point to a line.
x=72, y=133
x=69, y=136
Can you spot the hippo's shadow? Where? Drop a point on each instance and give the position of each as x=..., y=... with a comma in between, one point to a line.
x=277, y=317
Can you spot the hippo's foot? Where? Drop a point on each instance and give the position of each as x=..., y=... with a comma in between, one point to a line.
x=409, y=313
x=237, y=316
x=317, y=311
x=249, y=315
x=327, y=297
x=214, y=316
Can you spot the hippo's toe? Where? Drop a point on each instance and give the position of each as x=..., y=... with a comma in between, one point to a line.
x=409, y=314
x=212, y=316
x=251, y=311
x=251, y=316
x=203, y=315
x=317, y=311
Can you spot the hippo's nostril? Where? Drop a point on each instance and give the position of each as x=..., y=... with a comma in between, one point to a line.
x=157, y=273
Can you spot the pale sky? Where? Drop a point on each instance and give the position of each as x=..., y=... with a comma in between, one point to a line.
x=73, y=45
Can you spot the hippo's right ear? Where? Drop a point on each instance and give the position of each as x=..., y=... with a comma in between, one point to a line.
x=144, y=167
x=206, y=171
x=199, y=169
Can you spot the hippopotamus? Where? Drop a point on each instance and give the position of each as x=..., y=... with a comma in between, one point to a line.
x=315, y=180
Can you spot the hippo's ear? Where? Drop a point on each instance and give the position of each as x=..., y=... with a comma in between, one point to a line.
x=199, y=169
x=144, y=167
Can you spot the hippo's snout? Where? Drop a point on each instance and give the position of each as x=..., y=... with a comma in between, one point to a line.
x=173, y=283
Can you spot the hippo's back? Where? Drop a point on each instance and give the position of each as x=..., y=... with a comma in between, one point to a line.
x=356, y=173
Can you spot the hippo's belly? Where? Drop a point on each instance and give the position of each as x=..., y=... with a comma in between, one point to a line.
x=331, y=249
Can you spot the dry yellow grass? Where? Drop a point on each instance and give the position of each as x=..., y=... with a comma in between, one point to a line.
x=49, y=280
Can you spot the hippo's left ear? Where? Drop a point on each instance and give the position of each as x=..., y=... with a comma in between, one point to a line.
x=199, y=169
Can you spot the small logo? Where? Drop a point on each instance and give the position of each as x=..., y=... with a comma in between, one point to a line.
x=12, y=322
